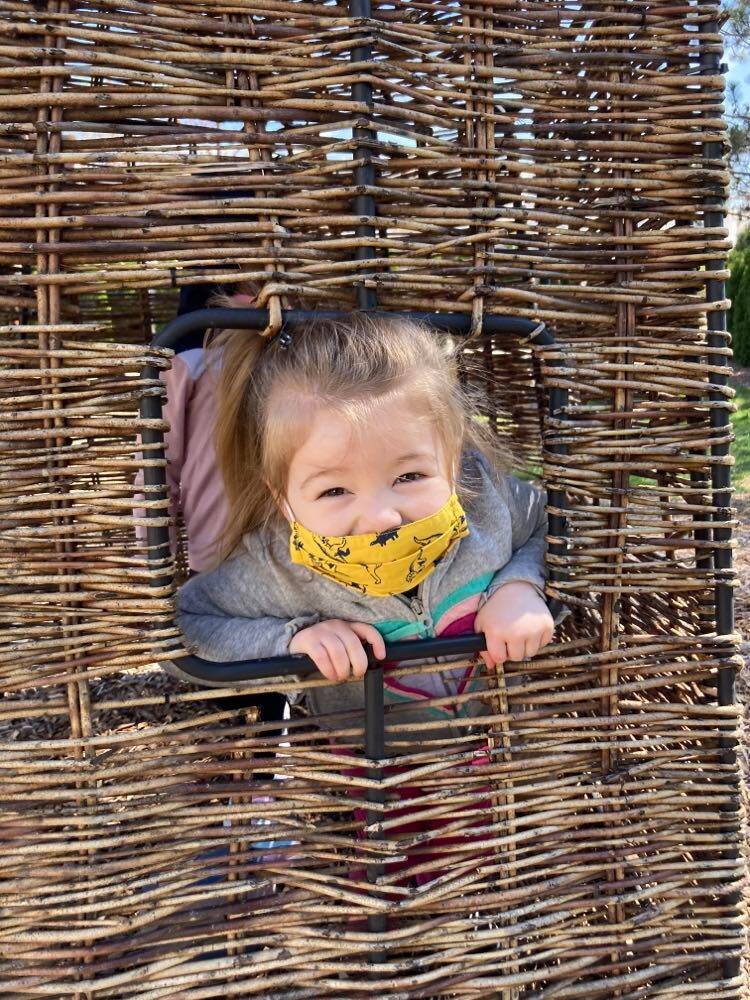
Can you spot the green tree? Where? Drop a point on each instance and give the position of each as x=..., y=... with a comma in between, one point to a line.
x=736, y=18
x=736, y=31
x=738, y=290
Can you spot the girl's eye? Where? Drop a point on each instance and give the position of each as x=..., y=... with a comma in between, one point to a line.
x=410, y=477
x=335, y=491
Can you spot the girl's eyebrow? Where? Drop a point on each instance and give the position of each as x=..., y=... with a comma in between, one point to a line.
x=415, y=456
x=410, y=456
x=328, y=471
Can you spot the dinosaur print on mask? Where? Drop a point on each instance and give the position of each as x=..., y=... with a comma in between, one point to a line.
x=385, y=536
x=406, y=555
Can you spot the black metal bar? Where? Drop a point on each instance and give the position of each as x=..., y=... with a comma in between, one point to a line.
x=375, y=752
x=282, y=666
x=364, y=172
x=155, y=479
x=297, y=665
x=364, y=207
x=713, y=217
x=455, y=323
x=557, y=523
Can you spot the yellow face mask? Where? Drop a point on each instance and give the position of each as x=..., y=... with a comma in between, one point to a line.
x=384, y=563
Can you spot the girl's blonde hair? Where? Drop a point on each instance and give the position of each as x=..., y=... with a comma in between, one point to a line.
x=268, y=395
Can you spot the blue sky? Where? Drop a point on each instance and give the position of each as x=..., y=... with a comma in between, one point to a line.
x=739, y=73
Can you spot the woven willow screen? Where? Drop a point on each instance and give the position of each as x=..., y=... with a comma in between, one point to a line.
x=550, y=160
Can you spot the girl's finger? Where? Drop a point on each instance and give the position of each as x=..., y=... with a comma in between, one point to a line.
x=339, y=656
x=541, y=642
x=531, y=647
x=319, y=655
x=489, y=660
x=497, y=651
x=355, y=652
x=516, y=649
x=371, y=635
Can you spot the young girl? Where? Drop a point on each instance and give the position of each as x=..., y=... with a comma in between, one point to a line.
x=366, y=505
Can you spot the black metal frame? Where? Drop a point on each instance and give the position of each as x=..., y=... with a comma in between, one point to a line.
x=721, y=487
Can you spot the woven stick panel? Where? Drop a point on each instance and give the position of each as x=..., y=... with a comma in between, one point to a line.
x=174, y=856
x=512, y=148
x=541, y=159
x=524, y=163
x=637, y=475
x=76, y=595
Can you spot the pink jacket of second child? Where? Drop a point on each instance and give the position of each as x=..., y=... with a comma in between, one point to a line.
x=193, y=479
x=194, y=482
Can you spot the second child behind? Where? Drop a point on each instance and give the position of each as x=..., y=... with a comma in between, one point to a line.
x=366, y=505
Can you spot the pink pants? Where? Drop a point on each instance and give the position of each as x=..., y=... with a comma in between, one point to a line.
x=428, y=851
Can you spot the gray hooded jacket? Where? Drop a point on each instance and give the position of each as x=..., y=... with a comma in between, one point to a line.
x=252, y=604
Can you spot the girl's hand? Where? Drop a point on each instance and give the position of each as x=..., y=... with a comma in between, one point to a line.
x=336, y=649
x=516, y=623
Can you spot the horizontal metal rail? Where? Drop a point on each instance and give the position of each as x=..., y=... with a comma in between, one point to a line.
x=158, y=540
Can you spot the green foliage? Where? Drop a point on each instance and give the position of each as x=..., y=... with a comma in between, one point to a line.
x=738, y=290
x=739, y=140
x=741, y=447
x=736, y=34
x=736, y=25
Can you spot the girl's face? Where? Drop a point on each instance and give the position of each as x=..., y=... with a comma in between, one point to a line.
x=349, y=481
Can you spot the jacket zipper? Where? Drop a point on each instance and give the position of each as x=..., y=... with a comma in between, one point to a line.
x=416, y=605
